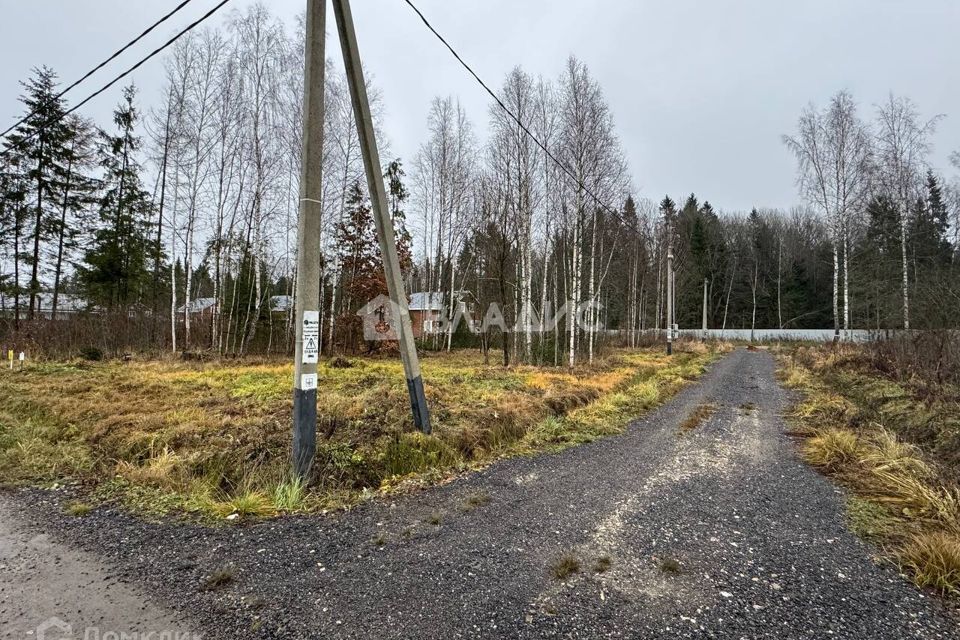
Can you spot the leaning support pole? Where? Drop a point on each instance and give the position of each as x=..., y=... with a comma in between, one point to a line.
x=308, y=247
x=381, y=215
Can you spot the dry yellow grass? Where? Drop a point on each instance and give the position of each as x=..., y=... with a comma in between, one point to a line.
x=933, y=559
x=834, y=450
x=214, y=437
x=886, y=453
x=697, y=417
x=903, y=499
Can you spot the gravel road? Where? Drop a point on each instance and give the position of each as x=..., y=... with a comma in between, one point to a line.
x=67, y=590
x=715, y=532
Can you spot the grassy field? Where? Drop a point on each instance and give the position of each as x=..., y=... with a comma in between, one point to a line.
x=895, y=445
x=212, y=439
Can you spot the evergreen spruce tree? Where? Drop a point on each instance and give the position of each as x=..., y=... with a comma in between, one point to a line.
x=934, y=226
x=117, y=268
x=12, y=214
x=881, y=255
x=362, y=274
x=398, y=196
x=40, y=148
x=77, y=196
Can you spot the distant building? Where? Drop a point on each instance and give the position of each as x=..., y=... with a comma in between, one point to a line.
x=427, y=311
x=200, y=306
x=67, y=305
x=281, y=304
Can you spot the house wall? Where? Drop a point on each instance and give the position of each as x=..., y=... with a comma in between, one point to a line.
x=420, y=320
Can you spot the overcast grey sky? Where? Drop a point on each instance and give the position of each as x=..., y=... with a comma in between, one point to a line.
x=701, y=90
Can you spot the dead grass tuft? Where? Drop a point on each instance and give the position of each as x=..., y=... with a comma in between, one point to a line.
x=476, y=500
x=602, y=565
x=834, y=450
x=933, y=559
x=887, y=453
x=669, y=566
x=246, y=504
x=561, y=402
x=565, y=566
x=698, y=416
x=78, y=509
x=219, y=578
x=160, y=470
x=917, y=498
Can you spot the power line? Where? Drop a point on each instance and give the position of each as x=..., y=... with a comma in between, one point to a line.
x=102, y=64
x=123, y=75
x=527, y=131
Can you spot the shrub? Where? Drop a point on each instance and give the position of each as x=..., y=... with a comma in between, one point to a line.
x=339, y=362
x=91, y=353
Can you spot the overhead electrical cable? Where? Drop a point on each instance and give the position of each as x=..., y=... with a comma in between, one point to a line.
x=579, y=183
x=123, y=75
x=113, y=57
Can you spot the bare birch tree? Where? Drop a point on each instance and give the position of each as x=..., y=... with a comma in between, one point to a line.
x=903, y=144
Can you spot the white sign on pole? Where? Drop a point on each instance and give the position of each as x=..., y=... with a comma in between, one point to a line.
x=308, y=381
x=311, y=336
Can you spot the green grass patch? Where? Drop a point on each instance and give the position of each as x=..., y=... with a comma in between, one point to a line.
x=870, y=520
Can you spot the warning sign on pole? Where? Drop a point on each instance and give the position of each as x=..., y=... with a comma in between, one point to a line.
x=311, y=336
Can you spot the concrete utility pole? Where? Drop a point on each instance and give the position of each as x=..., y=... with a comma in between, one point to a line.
x=308, y=246
x=381, y=213
x=670, y=300
x=704, y=309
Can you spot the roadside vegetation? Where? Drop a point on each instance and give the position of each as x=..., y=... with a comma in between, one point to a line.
x=213, y=439
x=884, y=421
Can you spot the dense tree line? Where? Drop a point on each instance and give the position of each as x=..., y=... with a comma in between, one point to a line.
x=191, y=204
